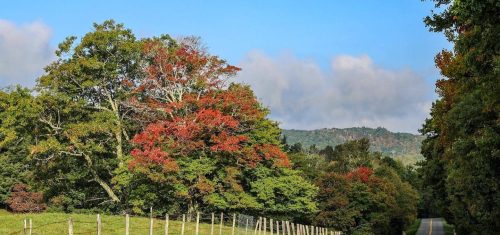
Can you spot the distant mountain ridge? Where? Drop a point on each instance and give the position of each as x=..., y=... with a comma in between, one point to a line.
x=405, y=146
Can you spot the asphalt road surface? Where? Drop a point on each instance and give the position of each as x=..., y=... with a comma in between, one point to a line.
x=431, y=226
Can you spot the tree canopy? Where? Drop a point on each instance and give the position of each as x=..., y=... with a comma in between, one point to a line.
x=122, y=123
x=460, y=175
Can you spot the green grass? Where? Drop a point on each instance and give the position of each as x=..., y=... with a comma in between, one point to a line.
x=448, y=228
x=57, y=223
x=412, y=230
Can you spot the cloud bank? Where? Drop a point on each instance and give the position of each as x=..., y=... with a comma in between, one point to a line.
x=24, y=51
x=353, y=92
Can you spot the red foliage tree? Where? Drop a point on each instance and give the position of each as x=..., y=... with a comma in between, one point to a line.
x=362, y=174
x=23, y=201
x=194, y=112
x=190, y=112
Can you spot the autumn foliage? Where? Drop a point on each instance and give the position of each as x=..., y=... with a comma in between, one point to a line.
x=361, y=174
x=191, y=112
x=23, y=201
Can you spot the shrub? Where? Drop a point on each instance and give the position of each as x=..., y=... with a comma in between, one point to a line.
x=23, y=201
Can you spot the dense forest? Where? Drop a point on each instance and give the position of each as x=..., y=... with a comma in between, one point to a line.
x=118, y=124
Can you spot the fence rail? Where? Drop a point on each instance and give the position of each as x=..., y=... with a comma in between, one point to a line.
x=202, y=224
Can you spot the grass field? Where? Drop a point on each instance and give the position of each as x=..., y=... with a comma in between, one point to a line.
x=57, y=223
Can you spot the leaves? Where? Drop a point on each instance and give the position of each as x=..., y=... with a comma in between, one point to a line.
x=460, y=180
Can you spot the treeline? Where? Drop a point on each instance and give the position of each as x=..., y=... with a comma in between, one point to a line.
x=120, y=124
x=360, y=191
x=461, y=171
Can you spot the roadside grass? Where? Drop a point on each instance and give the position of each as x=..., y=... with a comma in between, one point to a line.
x=57, y=223
x=412, y=230
x=448, y=228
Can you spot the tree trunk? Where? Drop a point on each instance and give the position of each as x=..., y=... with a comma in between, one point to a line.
x=192, y=208
x=101, y=182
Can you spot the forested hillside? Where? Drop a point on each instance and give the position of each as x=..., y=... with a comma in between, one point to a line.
x=404, y=146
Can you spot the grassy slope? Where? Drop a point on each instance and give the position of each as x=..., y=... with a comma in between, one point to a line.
x=56, y=223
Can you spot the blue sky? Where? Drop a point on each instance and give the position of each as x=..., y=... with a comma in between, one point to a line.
x=389, y=35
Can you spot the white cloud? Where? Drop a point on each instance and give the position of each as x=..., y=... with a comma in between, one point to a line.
x=354, y=92
x=24, y=51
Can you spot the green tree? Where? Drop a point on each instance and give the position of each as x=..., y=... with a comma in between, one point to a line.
x=461, y=150
x=94, y=77
x=309, y=165
x=18, y=130
x=352, y=154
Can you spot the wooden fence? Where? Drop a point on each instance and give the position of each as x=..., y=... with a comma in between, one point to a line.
x=213, y=224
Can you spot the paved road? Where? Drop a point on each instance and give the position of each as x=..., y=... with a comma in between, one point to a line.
x=431, y=226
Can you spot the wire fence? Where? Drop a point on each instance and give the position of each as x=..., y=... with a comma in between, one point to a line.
x=177, y=224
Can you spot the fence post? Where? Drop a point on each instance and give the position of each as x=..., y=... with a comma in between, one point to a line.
x=293, y=229
x=271, y=226
x=166, y=224
x=70, y=226
x=197, y=223
x=265, y=226
x=183, y=222
x=234, y=223
x=246, y=227
x=127, y=221
x=30, y=226
x=151, y=221
x=212, y=226
x=221, y=222
x=285, y=231
x=277, y=227
x=98, y=224
x=24, y=227
x=256, y=227
x=283, y=227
